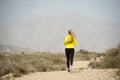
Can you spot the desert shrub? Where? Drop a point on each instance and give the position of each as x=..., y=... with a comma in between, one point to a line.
x=85, y=56
x=118, y=72
x=112, y=52
x=94, y=64
x=6, y=68
x=14, y=67
x=111, y=59
x=19, y=64
x=83, y=51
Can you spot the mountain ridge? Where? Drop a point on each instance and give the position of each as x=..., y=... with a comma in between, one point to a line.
x=47, y=33
x=14, y=49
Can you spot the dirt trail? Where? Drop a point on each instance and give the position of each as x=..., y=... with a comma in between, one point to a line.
x=81, y=72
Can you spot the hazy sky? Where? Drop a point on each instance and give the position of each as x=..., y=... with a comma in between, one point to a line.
x=26, y=22
x=12, y=10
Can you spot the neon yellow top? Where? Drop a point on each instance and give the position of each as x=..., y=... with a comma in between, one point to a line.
x=70, y=42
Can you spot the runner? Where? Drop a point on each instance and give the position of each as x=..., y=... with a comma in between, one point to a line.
x=70, y=43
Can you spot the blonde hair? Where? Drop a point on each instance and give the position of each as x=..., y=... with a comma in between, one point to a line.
x=70, y=31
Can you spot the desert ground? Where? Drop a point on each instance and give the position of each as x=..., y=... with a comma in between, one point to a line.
x=81, y=71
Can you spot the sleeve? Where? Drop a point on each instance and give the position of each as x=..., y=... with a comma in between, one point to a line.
x=66, y=40
x=75, y=42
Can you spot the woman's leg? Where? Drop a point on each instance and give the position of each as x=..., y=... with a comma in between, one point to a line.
x=72, y=56
x=67, y=57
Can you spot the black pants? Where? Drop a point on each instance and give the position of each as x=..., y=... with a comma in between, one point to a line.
x=69, y=55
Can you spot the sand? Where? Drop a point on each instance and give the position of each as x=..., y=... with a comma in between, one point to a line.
x=81, y=71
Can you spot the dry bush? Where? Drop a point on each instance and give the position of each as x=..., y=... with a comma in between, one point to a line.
x=111, y=59
x=19, y=64
x=112, y=52
x=88, y=56
x=118, y=72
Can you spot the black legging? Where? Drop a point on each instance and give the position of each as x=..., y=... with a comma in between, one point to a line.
x=69, y=55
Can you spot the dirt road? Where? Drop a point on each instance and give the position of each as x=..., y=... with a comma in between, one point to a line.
x=81, y=72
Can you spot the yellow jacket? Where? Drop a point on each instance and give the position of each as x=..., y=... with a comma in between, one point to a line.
x=70, y=42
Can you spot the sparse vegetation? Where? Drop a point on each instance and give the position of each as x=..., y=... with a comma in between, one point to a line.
x=85, y=55
x=24, y=63
x=19, y=64
x=111, y=59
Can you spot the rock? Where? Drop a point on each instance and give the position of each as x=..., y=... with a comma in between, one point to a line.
x=97, y=59
x=92, y=59
x=7, y=77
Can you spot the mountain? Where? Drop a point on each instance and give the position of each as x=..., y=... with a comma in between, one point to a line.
x=14, y=49
x=47, y=33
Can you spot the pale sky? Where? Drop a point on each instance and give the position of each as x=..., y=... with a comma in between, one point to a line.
x=107, y=10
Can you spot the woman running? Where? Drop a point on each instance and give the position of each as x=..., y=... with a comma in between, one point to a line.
x=70, y=43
